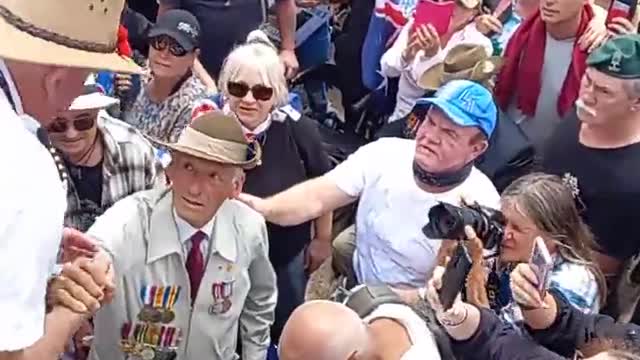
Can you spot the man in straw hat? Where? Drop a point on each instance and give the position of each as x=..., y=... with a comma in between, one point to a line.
x=193, y=263
x=47, y=49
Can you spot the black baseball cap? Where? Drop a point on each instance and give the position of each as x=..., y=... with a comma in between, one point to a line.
x=179, y=25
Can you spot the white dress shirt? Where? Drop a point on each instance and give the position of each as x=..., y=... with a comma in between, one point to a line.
x=392, y=64
x=186, y=231
x=32, y=206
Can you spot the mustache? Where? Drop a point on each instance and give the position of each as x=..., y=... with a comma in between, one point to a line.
x=582, y=106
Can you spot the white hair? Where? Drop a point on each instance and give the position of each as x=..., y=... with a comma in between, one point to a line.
x=632, y=87
x=258, y=53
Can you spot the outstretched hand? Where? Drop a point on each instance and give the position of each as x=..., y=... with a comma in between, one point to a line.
x=256, y=203
x=76, y=244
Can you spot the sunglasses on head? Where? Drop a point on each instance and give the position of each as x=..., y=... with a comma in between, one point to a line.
x=160, y=43
x=60, y=125
x=240, y=89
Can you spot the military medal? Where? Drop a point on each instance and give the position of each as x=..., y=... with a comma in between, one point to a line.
x=147, y=353
x=148, y=295
x=147, y=314
x=172, y=295
x=125, y=334
x=222, y=293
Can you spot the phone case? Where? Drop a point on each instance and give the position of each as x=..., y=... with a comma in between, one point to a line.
x=621, y=8
x=455, y=276
x=541, y=263
x=437, y=14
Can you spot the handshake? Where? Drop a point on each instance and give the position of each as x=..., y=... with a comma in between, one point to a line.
x=85, y=280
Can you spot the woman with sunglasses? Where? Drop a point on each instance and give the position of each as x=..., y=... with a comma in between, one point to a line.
x=253, y=86
x=163, y=107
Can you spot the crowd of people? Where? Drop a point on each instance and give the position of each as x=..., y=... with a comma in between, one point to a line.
x=319, y=180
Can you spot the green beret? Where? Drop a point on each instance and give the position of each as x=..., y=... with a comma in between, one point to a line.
x=618, y=57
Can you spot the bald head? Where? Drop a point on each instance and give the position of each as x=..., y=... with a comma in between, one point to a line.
x=322, y=330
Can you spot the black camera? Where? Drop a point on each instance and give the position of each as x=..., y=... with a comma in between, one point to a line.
x=447, y=221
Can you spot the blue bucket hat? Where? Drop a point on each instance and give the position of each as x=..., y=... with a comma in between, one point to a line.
x=466, y=103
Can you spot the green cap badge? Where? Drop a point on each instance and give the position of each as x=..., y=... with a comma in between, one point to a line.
x=618, y=57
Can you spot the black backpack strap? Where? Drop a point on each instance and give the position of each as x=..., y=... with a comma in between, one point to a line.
x=367, y=298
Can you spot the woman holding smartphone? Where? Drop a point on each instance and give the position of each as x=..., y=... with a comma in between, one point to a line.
x=541, y=205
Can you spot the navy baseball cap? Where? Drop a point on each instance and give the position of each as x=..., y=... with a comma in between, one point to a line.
x=466, y=103
x=179, y=25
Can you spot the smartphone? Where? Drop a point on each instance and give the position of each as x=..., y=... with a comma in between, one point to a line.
x=503, y=17
x=455, y=276
x=541, y=263
x=621, y=8
x=438, y=14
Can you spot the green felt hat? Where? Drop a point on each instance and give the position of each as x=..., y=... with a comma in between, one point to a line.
x=618, y=57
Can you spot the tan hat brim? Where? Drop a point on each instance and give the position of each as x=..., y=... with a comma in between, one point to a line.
x=247, y=165
x=435, y=77
x=432, y=78
x=20, y=46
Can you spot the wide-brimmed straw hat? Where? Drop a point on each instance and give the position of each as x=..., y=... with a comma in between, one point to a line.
x=462, y=62
x=218, y=137
x=71, y=33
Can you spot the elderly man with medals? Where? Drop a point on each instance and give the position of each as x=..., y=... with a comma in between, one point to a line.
x=192, y=263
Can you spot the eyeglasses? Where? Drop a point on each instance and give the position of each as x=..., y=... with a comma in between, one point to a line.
x=61, y=125
x=160, y=43
x=240, y=89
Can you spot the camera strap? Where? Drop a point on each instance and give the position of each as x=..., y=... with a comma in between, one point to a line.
x=444, y=179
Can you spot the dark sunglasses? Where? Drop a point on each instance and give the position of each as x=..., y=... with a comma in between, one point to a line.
x=160, y=43
x=240, y=89
x=60, y=126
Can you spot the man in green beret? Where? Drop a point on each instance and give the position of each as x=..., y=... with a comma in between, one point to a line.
x=599, y=155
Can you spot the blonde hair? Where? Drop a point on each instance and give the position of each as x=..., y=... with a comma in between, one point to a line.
x=257, y=54
x=548, y=203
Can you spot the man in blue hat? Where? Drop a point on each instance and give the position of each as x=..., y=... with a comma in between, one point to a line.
x=599, y=153
x=396, y=182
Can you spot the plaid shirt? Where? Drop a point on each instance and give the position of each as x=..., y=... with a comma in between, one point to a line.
x=129, y=165
x=575, y=282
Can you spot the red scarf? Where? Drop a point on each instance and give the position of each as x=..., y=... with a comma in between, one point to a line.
x=522, y=67
x=123, y=48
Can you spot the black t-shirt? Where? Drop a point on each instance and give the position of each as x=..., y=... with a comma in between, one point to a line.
x=607, y=185
x=87, y=182
x=292, y=153
x=224, y=24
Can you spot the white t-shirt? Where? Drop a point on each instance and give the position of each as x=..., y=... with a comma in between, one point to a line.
x=423, y=344
x=32, y=206
x=391, y=248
